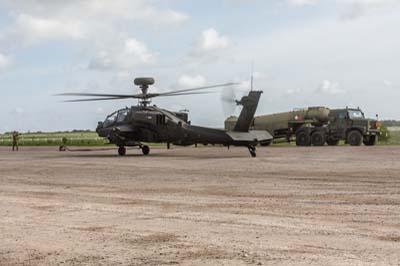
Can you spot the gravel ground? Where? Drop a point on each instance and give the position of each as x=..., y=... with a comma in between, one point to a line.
x=201, y=206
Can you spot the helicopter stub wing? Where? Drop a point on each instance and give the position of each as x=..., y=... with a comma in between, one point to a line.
x=125, y=128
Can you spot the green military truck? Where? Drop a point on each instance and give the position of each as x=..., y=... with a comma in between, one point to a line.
x=317, y=126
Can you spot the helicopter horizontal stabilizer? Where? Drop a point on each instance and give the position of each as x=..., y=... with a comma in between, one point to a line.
x=261, y=135
x=251, y=136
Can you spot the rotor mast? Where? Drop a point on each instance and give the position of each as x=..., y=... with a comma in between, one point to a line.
x=144, y=84
x=144, y=101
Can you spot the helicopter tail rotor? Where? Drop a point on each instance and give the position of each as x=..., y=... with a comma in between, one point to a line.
x=229, y=99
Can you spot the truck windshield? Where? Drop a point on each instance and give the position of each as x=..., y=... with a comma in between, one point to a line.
x=356, y=115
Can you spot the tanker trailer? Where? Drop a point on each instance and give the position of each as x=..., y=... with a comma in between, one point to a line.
x=286, y=124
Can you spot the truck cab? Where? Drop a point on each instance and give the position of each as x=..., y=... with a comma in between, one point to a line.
x=351, y=125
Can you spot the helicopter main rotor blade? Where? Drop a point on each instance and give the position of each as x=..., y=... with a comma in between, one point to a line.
x=187, y=93
x=152, y=95
x=97, y=95
x=94, y=99
x=198, y=88
x=143, y=96
x=105, y=97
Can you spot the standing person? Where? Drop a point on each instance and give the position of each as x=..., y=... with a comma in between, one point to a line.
x=15, y=137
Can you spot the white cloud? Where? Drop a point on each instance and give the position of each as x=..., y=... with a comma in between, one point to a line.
x=99, y=110
x=351, y=9
x=97, y=22
x=18, y=111
x=242, y=87
x=371, y=3
x=210, y=46
x=302, y=2
x=139, y=50
x=260, y=81
x=211, y=40
x=34, y=29
x=357, y=8
x=123, y=56
x=187, y=81
x=388, y=83
x=259, y=75
x=137, y=10
x=290, y=92
x=332, y=88
x=5, y=62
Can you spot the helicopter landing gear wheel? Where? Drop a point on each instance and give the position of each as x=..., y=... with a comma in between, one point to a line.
x=62, y=148
x=252, y=150
x=145, y=150
x=122, y=151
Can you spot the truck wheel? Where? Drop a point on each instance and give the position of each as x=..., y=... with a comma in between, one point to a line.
x=332, y=142
x=370, y=140
x=302, y=138
x=318, y=138
x=354, y=138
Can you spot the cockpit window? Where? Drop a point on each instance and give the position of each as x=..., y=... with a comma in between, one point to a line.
x=356, y=115
x=110, y=119
x=122, y=115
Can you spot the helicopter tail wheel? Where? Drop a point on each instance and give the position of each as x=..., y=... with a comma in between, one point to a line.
x=122, y=151
x=145, y=150
x=62, y=148
x=252, y=150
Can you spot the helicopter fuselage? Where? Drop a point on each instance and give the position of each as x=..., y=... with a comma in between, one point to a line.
x=131, y=126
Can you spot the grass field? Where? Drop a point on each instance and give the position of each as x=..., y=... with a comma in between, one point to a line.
x=394, y=138
x=85, y=138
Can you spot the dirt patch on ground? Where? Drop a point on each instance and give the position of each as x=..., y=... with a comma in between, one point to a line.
x=201, y=206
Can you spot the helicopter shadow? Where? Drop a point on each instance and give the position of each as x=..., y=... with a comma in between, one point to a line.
x=155, y=155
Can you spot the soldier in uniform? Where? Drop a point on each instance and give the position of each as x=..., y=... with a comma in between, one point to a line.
x=15, y=137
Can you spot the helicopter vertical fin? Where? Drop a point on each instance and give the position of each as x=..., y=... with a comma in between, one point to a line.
x=246, y=116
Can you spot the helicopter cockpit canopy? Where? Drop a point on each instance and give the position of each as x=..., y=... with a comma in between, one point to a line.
x=110, y=120
x=116, y=117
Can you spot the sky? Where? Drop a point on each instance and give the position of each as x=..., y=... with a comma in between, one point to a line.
x=333, y=53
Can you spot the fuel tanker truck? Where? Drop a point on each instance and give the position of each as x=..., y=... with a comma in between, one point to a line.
x=317, y=126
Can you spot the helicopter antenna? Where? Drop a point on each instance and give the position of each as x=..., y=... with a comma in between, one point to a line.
x=251, y=78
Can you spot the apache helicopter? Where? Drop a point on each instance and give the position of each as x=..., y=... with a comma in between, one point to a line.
x=130, y=127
